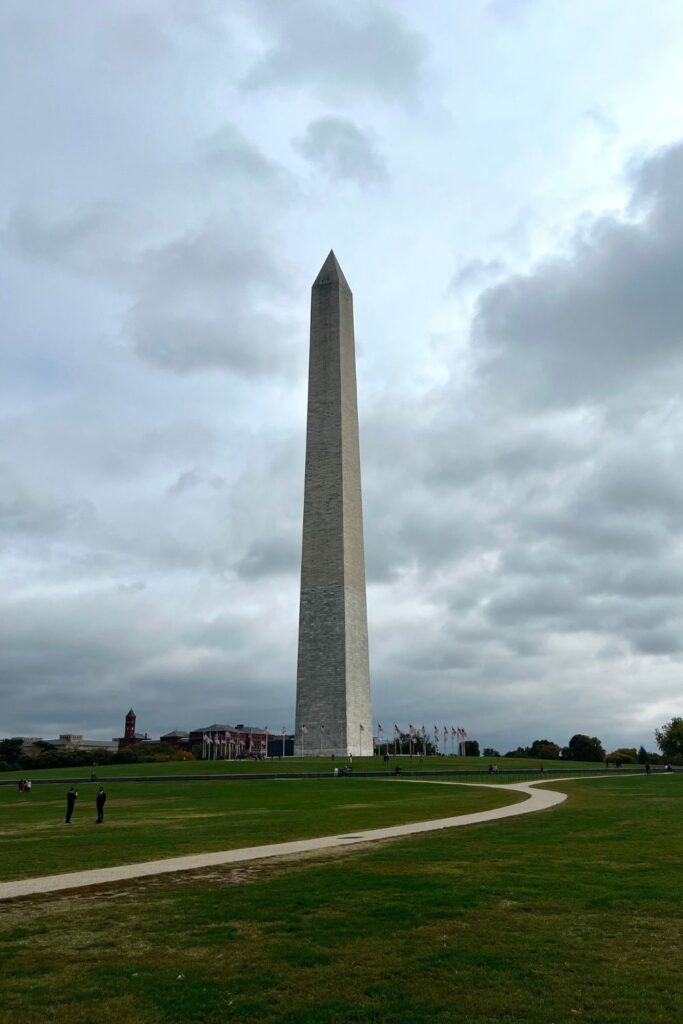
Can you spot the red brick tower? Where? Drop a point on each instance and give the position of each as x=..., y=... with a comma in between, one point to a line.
x=129, y=731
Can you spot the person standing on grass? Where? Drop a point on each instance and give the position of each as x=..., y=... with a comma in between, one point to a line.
x=100, y=801
x=71, y=798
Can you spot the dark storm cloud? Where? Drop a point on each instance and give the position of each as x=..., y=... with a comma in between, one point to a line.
x=337, y=51
x=76, y=661
x=338, y=147
x=603, y=317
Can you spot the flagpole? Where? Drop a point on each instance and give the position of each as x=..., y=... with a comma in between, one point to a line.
x=283, y=741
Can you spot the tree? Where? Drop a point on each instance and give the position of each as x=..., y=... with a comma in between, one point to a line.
x=490, y=752
x=584, y=748
x=545, y=750
x=624, y=755
x=10, y=751
x=670, y=738
x=518, y=752
x=471, y=748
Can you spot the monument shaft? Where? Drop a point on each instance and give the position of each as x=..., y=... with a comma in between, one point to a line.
x=333, y=709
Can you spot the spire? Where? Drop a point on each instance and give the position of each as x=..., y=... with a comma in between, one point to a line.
x=330, y=272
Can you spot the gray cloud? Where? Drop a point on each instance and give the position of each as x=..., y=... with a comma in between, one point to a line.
x=207, y=299
x=337, y=52
x=339, y=148
x=270, y=557
x=191, y=479
x=509, y=10
x=96, y=240
x=608, y=315
x=229, y=153
x=475, y=274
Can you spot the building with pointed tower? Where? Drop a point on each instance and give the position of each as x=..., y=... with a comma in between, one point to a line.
x=333, y=706
x=130, y=736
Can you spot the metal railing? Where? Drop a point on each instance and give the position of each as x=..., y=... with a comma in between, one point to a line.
x=502, y=776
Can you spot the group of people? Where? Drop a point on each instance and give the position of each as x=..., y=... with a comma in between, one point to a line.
x=24, y=785
x=100, y=801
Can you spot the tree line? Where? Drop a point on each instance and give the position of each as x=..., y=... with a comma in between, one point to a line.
x=589, y=748
x=48, y=756
x=580, y=748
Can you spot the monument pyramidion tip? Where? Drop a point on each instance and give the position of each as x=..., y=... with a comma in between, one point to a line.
x=331, y=272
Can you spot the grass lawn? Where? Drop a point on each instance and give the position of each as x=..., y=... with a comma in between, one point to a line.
x=167, y=819
x=299, y=765
x=574, y=914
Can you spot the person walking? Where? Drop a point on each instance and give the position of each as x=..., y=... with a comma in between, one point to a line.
x=100, y=801
x=71, y=798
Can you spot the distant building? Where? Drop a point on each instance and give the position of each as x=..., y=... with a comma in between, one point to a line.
x=33, y=745
x=177, y=738
x=73, y=741
x=230, y=742
x=28, y=744
x=130, y=736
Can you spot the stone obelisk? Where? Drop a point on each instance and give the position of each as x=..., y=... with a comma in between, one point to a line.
x=333, y=709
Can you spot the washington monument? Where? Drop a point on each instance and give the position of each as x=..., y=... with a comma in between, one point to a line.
x=333, y=709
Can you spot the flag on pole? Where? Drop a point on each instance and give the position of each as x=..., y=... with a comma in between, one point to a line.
x=284, y=731
x=411, y=728
x=397, y=730
x=436, y=733
x=304, y=729
x=362, y=727
x=379, y=727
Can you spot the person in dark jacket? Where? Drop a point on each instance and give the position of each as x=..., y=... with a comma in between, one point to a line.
x=100, y=801
x=71, y=798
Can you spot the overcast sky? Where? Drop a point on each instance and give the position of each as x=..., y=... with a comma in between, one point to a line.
x=501, y=181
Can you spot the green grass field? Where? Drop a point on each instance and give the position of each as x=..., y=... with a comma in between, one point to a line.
x=574, y=914
x=300, y=765
x=168, y=819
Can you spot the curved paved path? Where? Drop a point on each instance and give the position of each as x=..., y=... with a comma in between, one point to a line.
x=537, y=800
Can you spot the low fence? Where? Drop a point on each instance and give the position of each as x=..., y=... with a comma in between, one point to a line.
x=501, y=776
